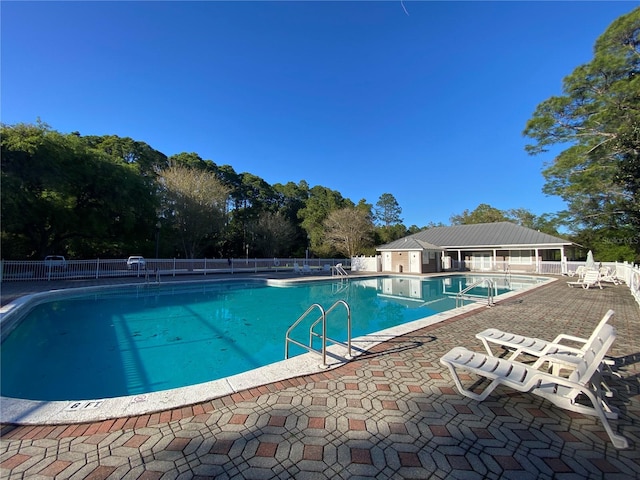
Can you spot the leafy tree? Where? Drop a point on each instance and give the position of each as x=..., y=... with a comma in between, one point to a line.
x=482, y=214
x=544, y=223
x=348, y=230
x=415, y=229
x=272, y=235
x=597, y=122
x=608, y=245
x=292, y=198
x=195, y=201
x=391, y=233
x=321, y=202
x=60, y=195
x=387, y=210
x=188, y=160
x=146, y=159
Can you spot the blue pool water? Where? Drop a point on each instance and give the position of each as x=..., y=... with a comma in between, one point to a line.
x=146, y=339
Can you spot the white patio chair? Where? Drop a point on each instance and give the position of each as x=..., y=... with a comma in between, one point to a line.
x=519, y=344
x=607, y=276
x=563, y=392
x=579, y=271
x=591, y=279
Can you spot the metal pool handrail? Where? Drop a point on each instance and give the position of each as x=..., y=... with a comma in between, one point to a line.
x=491, y=285
x=323, y=336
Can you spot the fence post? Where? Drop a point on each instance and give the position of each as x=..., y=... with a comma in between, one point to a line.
x=97, y=268
x=1, y=269
x=205, y=266
x=174, y=267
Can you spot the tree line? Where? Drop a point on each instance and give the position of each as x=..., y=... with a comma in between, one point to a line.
x=110, y=196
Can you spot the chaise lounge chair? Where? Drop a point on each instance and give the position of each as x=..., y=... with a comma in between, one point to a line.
x=591, y=279
x=580, y=271
x=607, y=276
x=534, y=346
x=561, y=391
x=519, y=344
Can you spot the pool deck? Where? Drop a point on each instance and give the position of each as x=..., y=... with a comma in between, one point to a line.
x=390, y=413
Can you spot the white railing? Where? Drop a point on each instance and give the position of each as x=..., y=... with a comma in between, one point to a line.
x=543, y=267
x=630, y=274
x=16, y=270
x=626, y=272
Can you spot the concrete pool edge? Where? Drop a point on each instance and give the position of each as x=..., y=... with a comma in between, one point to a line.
x=30, y=412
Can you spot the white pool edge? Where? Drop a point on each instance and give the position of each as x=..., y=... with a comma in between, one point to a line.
x=31, y=412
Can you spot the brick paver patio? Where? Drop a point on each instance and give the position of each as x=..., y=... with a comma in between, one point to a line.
x=391, y=413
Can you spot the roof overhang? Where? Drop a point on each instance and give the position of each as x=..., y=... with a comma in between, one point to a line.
x=517, y=246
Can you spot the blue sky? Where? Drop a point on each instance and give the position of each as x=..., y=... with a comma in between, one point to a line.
x=360, y=97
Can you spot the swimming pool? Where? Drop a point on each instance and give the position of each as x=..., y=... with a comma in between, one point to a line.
x=128, y=341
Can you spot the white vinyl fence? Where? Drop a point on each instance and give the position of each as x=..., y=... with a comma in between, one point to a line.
x=541, y=267
x=14, y=270
x=625, y=272
x=630, y=274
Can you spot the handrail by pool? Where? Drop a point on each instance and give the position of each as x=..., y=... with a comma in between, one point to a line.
x=323, y=336
x=491, y=286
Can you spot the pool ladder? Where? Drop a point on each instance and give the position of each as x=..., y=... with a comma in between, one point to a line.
x=462, y=295
x=339, y=271
x=148, y=274
x=323, y=336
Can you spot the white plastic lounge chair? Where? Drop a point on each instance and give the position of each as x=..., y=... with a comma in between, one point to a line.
x=519, y=344
x=562, y=392
x=579, y=272
x=535, y=346
x=591, y=279
x=297, y=269
x=306, y=269
x=607, y=276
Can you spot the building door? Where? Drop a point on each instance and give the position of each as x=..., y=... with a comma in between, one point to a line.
x=415, y=262
x=481, y=261
x=386, y=262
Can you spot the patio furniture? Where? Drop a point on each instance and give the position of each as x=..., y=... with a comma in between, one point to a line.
x=563, y=392
x=591, y=279
x=536, y=347
x=607, y=276
x=518, y=344
x=579, y=272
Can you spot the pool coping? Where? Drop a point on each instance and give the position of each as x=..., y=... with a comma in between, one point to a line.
x=32, y=412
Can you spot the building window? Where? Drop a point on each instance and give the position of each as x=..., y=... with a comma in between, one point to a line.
x=520, y=257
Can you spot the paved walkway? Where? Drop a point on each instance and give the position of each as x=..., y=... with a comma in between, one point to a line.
x=392, y=413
